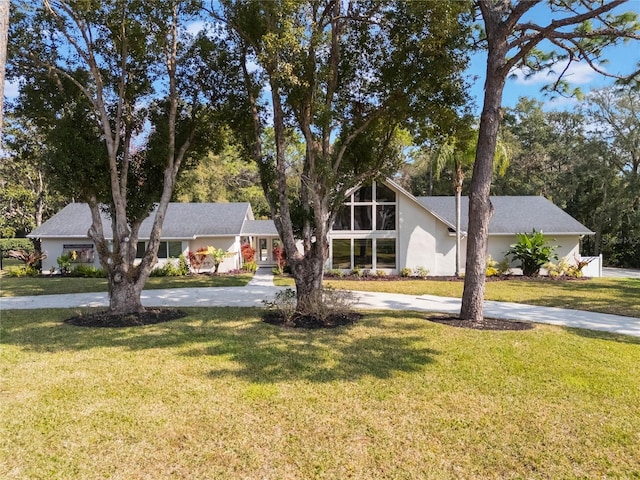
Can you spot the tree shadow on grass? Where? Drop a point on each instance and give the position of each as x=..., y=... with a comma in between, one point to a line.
x=241, y=345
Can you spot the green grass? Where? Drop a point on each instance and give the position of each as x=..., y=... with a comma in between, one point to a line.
x=13, y=287
x=219, y=394
x=607, y=295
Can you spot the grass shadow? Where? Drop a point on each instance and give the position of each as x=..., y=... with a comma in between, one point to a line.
x=239, y=344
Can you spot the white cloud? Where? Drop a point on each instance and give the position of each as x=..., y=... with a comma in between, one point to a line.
x=578, y=73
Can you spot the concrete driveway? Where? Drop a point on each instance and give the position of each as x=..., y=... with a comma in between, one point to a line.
x=620, y=272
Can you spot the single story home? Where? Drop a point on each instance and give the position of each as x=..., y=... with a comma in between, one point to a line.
x=380, y=227
x=187, y=227
x=384, y=227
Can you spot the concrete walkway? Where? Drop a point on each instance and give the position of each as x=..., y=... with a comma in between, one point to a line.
x=261, y=288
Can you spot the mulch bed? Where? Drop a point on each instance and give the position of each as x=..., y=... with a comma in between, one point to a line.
x=486, y=324
x=310, y=322
x=104, y=319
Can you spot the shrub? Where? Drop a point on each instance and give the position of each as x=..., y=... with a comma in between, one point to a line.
x=88, y=271
x=64, y=262
x=170, y=270
x=381, y=273
x=183, y=266
x=284, y=304
x=356, y=272
x=421, y=272
x=335, y=272
x=495, y=268
x=406, y=272
x=7, y=244
x=564, y=269
x=281, y=260
x=533, y=251
x=248, y=253
x=250, y=267
x=321, y=306
x=328, y=302
x=22, y=271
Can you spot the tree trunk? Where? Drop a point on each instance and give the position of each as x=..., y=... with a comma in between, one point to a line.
x=458, y=236
x=124, y=294
x=480, y=208
x=308, y=274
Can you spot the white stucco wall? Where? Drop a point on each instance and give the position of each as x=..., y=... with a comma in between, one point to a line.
x=54, y=249
x=423, y=240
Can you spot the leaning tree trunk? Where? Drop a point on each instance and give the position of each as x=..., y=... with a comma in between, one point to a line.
x=480, y=208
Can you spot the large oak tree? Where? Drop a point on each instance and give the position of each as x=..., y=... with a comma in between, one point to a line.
x=117, y=84
x=347, y=77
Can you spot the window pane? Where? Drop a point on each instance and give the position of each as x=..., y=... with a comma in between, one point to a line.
x=264, y=251
x=363, y=252
x=140, y=250
x=386, y=253
x=385, y=217
x=162, y=250
x=341, y=257
x=80, y=253
x=362, y=217
x=384, y=193
x=175, y=249
x=343, y=219
x=364, y=194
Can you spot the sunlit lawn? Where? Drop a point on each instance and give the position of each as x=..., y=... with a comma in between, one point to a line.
x=619, y=296
x=12, y=287
x=219, y=394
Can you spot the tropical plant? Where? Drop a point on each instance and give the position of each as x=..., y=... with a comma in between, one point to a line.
x=30, y=258
x=533, y=251
x=217, y=255
x=280, y=258
x=197, y=258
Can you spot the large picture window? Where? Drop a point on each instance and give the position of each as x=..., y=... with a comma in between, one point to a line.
x=370, y=213
x=362, y=213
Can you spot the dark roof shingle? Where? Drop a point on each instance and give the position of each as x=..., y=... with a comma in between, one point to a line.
x=183, y=220
x=519, y=214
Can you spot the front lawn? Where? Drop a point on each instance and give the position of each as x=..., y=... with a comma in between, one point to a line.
x=220, y=394
x=607, y=295
x=13, y=287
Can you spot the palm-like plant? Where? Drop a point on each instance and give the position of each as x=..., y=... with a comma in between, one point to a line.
x=533, y=251
x=459, y=153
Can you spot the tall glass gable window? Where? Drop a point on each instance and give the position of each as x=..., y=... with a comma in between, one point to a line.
x=371, y=208
x=365, y=230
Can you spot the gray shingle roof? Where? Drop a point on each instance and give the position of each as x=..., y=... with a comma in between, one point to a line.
x=182, y=221
x=259, y=227
x=512, y=215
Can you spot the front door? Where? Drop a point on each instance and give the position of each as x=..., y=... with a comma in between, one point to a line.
x=264, y=250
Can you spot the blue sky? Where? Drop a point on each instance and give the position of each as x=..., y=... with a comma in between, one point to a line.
x=622, y=59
